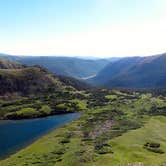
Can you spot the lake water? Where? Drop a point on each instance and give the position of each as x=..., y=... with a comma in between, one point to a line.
x=15, y=134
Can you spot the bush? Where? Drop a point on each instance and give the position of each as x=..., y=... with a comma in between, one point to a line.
x=23, y=113
x=45, y=109
x=59, y=150
x=155, y=150
x=153, y=147
x=26, y=112
x=65, y=140
x=103, y=149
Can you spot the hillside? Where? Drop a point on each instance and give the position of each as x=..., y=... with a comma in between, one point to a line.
x=6, y=64
x=30, y=92
x=25, y=81
x=77, y=84
x=68, y=66
x=134, y=72
x=18, y=79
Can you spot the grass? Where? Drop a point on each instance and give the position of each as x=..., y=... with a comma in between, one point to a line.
x=128, y=148
x=106, y=135
x=111, y=96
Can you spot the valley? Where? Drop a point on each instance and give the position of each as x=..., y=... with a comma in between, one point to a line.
x=76, y=67
x=82, y=83
x=133, y=72
x=117, y=126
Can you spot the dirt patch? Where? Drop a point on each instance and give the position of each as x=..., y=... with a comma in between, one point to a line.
x=101, y=129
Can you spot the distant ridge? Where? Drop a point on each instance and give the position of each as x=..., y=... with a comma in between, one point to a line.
x=133, y=72
x=69, y=66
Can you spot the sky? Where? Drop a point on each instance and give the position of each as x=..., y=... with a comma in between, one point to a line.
x=99, y=28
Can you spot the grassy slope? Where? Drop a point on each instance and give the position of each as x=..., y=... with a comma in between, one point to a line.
x=30, y=80
x=122, y=143
x=128, y=148
x=6, y=64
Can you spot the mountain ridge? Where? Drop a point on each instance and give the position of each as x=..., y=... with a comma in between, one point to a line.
x=133, y=72
x=69, y=66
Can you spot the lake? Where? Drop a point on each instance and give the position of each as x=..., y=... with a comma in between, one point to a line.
x=16, y=134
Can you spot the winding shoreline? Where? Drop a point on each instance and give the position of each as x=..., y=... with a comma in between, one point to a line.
x=60, y=121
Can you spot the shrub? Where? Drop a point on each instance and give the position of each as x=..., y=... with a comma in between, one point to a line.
x=155, y=150
x=45, y=109
x=26, y=112
x=153, y=147
x=65, y=140
x=23, y=113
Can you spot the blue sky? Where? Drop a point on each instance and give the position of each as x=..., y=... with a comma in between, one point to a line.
x=103, y=28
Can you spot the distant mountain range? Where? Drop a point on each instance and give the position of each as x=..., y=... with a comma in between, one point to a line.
x=68, y=66
x=129, y=72
x=133, y=72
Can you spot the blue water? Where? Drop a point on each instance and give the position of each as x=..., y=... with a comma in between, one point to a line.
x=16, y=134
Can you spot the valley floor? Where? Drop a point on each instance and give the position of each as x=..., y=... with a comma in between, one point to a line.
x=124, y=129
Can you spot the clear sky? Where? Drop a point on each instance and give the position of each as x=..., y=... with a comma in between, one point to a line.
x=103, y=28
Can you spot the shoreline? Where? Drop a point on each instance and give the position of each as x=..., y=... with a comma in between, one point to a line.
x=38, y=117
x=28, y=143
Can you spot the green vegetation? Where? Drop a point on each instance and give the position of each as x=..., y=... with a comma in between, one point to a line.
x=39, y=91
x=111, y=96
x=45, y=109
x=23, y=113
x=130, y=147
x=48, y=104
x=6, y=64
x=115, y=128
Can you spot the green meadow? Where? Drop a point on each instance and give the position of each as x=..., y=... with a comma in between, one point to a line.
x=116, y=128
